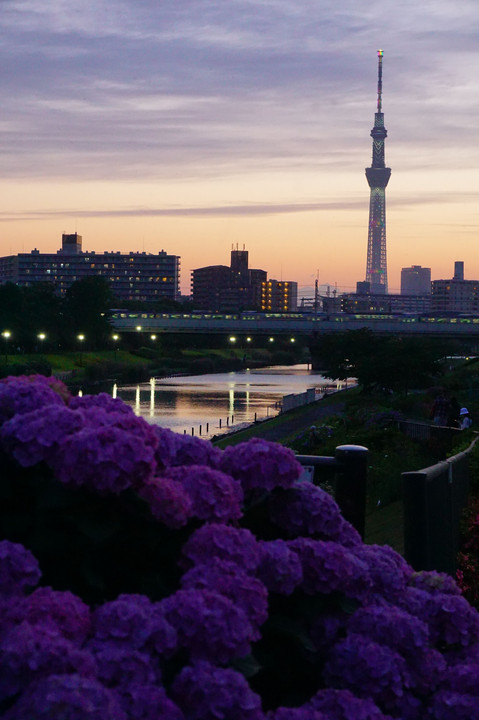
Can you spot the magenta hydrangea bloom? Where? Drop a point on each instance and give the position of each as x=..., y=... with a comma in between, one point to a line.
x=215, y=497
x=128, y=621
x=225, y=577
x=35, y=436
x=260, y=464
x=67, y=697
x=69, y=614
x=307, y=510
x=169, y=501
x=280, y=568
x=148, y=702
x=209, y=625
x=329, y=567
x=19, y=569
x=224, y=542
x=19, y=395
x=29, y=652
x=106, y=460
x=206, y=692
x=343, y=705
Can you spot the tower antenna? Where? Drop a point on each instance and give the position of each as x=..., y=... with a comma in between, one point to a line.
x=378, y=177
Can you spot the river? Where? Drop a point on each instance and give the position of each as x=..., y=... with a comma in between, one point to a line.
x=208, y=405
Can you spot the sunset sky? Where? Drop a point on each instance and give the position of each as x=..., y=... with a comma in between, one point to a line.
x=195, y=125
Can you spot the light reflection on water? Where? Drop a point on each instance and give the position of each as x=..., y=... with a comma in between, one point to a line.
x=183, y=403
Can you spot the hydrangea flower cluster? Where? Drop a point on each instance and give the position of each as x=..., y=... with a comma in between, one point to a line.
x=249, y=597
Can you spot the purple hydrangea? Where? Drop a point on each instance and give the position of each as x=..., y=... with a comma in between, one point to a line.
x=448, y=705
x=19, y=395
x=260, y=464
x=391, y=626
x=462, y=678
x=128, y=621
x=451, y=620
x=388, y=571
x=329, y=567
x=168, y=443
x=67, y=697
x=343, y=705
x=368, y=669
x=121, y=666
x=209, y=625
x=35, y=436
x=102, y=400
x=296, y=713
x=148, y=702
x=327, y=628
x=168, y=500
x=29, y=652
x=19, y=569
x=307, y=510
x=206, y=692
x=434, y=582
x=226, y=578
x=224, y=542
x=70, y=615
x=215, y=497
x=106, y=460
x=280, y=568
x=192, y=450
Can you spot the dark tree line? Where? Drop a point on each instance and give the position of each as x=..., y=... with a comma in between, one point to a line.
x=387, y=363
x=29, y=312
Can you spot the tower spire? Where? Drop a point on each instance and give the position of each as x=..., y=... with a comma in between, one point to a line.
x=378, y=177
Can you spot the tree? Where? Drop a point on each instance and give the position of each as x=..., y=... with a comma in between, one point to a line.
x=86, y=306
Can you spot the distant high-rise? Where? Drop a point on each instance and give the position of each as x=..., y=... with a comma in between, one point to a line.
x=416, y=280
x=378, y=177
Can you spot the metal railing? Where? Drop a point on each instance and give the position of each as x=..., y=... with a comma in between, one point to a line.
x=434, y=499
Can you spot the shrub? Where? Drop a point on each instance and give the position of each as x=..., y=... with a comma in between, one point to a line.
x=186, y=583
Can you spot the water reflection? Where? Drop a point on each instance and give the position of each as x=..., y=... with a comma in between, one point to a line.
x=217, y=401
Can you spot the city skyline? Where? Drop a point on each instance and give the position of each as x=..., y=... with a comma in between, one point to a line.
x=194, y=126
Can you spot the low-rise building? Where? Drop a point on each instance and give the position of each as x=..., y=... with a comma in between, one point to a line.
x=455, y=295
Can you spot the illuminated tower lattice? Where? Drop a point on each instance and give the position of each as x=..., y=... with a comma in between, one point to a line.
x=378, y=177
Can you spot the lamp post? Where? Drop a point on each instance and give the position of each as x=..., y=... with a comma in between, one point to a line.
x=6, y=334
x=116, y=339
x=81, y=339
x=41, y=337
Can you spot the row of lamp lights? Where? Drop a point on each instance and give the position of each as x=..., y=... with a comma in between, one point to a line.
x=233, y=339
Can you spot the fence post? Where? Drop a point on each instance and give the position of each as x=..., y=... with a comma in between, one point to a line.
x=350, y=485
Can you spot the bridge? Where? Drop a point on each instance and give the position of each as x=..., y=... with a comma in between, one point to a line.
x=252, y=323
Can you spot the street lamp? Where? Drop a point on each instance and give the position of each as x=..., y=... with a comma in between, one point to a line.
x=152, y=337
x=81, y=338
x=232, y=339
x=6, y=334
x=116, y=339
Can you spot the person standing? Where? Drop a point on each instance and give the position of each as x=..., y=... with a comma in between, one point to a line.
x=464, y=419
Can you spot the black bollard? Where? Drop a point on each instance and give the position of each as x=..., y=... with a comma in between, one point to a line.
x=350, y=485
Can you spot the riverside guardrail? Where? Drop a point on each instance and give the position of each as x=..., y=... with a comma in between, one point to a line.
x=434, y=499
x=349, y=464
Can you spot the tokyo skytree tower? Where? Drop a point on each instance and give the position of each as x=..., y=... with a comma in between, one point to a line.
x=378, y=177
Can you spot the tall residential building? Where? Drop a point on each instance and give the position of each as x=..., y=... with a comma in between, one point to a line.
x=378, y=177
x=455, y=295
x=416, y=280
x=133, y=276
